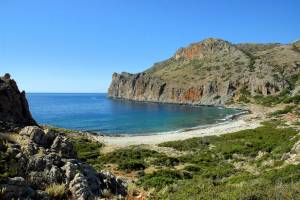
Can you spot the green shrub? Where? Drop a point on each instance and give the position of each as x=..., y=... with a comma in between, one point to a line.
x=295, y=99
x=162, y=178
x=288, y=174
x=86, y=149
x=286, y=110
x=129, y=153
x=166, y=161
x=197, y=143
x=198, y=188
x=132, y=165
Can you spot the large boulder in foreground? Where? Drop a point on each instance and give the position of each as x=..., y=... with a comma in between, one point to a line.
x=14, y=109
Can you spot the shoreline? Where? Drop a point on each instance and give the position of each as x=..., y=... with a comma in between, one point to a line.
x=251, y=118
x=124, y=141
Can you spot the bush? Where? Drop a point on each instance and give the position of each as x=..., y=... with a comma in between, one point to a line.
x=192, y=168
x=129, y=153
x=86, y=149
x=163, y=178
x=284, y=111
x=166, y=161
x=294, y=99
x=56, y=191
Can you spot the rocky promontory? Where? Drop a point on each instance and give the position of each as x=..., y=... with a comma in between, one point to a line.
x=42, y=163
x=14, y=109
x=214, y=72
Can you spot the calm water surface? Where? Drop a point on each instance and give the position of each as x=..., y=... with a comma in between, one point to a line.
x=96, y=112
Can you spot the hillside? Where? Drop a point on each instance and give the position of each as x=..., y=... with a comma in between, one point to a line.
x=214, y=71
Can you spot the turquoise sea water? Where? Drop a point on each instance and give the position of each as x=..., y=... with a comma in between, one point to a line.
x=97, y=113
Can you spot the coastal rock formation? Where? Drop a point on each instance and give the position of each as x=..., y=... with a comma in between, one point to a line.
x=43, y=158
x=14, y=110
x=37, y=163
x=213, y=72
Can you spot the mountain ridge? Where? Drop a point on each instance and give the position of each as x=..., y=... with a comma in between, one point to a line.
x=214, y=72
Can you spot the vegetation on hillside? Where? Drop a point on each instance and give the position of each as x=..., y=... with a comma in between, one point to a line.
x=243, y=165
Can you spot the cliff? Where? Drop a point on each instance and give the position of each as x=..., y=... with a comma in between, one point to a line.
x=14, y=110
x=43, y=163
x=213, y=72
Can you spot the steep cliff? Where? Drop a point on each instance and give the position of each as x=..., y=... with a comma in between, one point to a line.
x=14, y=110
x=213, y=71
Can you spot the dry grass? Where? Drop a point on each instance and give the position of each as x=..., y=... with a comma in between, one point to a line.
x=56, y=191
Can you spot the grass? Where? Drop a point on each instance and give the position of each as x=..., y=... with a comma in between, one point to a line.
x=56, y=191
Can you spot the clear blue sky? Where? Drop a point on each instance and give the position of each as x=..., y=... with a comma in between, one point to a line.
x=75, y=46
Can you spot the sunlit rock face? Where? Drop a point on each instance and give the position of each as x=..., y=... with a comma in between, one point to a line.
x=14, y=110
x=213, y=71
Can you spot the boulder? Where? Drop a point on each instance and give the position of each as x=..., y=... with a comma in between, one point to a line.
x=35, y=133
x=63, y=146
x=79, y=188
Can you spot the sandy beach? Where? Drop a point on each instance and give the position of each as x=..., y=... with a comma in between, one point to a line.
x=218, y=129
x=247, y=121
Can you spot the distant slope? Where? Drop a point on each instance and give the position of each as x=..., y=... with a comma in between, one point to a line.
x=213, y=71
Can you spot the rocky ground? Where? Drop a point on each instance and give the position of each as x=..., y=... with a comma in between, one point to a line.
x=42, y=164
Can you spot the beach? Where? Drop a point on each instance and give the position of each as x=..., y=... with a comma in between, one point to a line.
x=247, y=121
x=154, y=139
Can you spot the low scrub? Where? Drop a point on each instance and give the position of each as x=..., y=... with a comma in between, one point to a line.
x=56, y=191
x=162, y=178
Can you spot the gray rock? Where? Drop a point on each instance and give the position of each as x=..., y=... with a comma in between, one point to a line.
x=116, y=185
x=79, y=188
x=35, y=133
x=70, y=170
x=63, y=146
x=296, y=148
x=42, y=195
x=55, y=175
x=30, y=148
x=17, y=189
x=17, y=181
x=48, y=138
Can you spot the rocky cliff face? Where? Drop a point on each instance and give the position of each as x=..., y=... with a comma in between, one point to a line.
x=213, y=72
x=14, y=110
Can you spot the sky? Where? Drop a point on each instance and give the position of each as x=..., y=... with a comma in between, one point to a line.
x=76, y=45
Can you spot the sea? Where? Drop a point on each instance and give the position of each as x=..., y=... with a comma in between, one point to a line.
x=100, y=114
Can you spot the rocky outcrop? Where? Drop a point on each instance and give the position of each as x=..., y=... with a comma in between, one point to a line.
x=213, y=72
x=14, y=110
x=43, y=158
